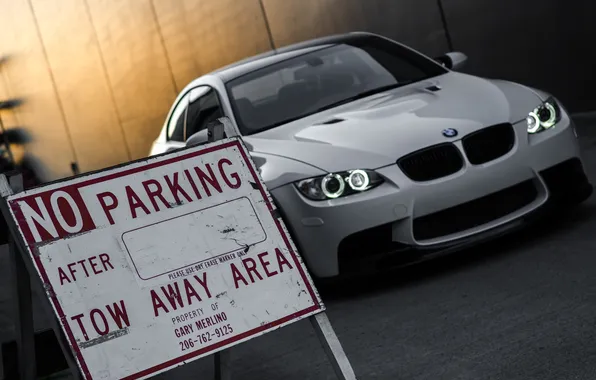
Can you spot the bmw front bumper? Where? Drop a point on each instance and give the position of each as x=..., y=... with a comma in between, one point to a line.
x=401, y=215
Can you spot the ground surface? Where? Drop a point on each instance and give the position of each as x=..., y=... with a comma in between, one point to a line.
x=521, y=308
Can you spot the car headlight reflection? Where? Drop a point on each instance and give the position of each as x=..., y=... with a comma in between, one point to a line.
x=335, y=185
x=544, y=117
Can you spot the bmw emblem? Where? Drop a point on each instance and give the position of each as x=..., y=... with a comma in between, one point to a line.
x=449, y=132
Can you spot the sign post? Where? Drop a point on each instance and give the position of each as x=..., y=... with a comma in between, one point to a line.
x=162, y=261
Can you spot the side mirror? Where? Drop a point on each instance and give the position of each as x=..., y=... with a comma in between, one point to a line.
x=454, y=60
x=199, y=138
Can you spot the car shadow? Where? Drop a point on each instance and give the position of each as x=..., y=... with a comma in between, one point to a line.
x=409, y=276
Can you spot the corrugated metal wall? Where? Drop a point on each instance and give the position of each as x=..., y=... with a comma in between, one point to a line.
x=98, y=76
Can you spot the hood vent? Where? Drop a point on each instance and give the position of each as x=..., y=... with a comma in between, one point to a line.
x=433, y=88
x=335, y=120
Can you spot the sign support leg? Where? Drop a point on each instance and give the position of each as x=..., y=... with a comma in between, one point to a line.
x=70, y=360
x=332, y=346
x=223, y=365
x=23, y=296
x=23, y=320
x=22, y=301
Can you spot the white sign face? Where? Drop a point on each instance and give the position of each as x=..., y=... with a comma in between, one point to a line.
x=159, y=262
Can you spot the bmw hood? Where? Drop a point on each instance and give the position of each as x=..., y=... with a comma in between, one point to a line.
x=374, y=132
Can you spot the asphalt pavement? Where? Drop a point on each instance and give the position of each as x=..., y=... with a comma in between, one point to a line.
x=523, y=307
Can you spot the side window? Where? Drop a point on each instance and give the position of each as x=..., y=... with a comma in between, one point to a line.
x=203, y=108
x=176, y=123
x=194, y=111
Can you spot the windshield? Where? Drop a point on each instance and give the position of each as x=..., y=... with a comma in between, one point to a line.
x=323, y=79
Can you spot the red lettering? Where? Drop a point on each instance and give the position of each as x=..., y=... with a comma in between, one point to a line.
x=203, y=283
x=78, y=319
x=62, y=276
x=107, y=208
x=93, y=265
x=99, y=321
x=281, y=260
x=234, y=175
x=106, y=328
x=155, y=193
x=192, y=183
x=82, y=262
x=66, y=212
x=96, y=269
x=175, y=188
x=251, y=268
x=134, y=202
x=211, y=180
x=157, y=303
x=190, y=292
x=173, y=295
x=105, y=260
x=119, y=314
x=53, y=214
x=237, y=276
x=265, y=264
x=37, y=216
x=72, y=271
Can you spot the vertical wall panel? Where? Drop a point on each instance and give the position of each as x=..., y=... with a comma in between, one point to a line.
x=8, y=116
x=224, y=31
x=179, y=47
x=138, y=68
x=81, y=83
x=28, y=76
x=413, y=22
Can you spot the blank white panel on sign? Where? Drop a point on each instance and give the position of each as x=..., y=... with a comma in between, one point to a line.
x=194, y=237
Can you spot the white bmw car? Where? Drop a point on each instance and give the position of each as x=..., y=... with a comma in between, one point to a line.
x=378, y=155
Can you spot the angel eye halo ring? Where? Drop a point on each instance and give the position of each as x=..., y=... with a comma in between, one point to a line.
x=543, y=117
x=333, y=185
x=340, y=184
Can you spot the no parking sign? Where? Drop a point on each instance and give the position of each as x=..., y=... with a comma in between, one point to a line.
x=161, y=261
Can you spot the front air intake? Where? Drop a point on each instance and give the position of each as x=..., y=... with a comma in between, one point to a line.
x=488, y=144
x=431, y=163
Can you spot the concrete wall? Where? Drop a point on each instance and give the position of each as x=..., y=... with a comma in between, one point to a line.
x=98, y=76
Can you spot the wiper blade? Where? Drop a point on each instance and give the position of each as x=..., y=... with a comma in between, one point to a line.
x=379, y=89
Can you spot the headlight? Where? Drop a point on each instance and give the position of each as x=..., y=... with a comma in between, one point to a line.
x=544, y=116
x=335, y=185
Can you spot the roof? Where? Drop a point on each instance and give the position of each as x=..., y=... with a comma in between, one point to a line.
x=257, y=62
